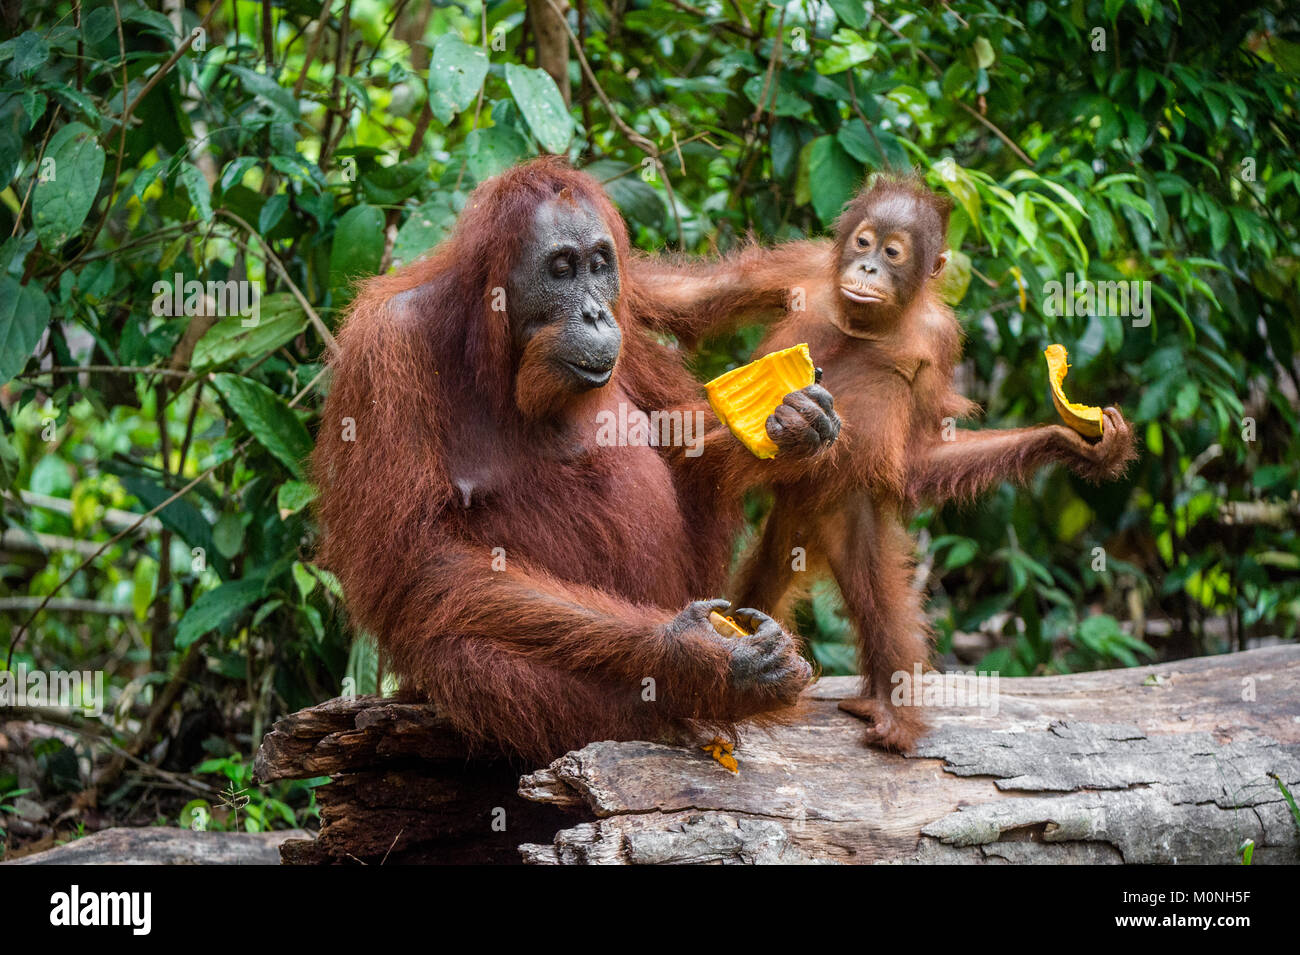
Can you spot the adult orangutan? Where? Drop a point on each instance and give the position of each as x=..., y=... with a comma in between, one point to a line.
x=543, y=588
x=887, y=346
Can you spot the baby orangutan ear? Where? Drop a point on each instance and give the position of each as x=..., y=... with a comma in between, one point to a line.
x=940, y=261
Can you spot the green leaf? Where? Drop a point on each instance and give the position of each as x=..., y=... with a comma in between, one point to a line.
x=24, y=314
x=197, y=186
x=98, y=25
x=954, y=280
x=389, y=185
x=292, y=496
x=960, y=184
x=233, y=174
x=281, y=319
x=303, y=579
x=493, y=151
x=358, y=245
x=540, y=101
x=879, y=152
x=228, y=535
x=456, y=74
x=30, y=52
x=781, y=100
x=217, y=608
x=144, y=584
x=424, y=228
x=847, y=50
x=961, y=553
x=832, y=177
x=180, y=517
x=272, y=212
x=60, y=205
x=852, y=12
x=259, y=84
x=983, y=50
x=9, y=463
x=269, y=419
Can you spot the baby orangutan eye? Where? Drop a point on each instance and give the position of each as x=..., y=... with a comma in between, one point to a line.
x=892, y=252
x=863, y=241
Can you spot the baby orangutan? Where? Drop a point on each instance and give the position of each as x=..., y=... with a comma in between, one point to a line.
x=887, y=346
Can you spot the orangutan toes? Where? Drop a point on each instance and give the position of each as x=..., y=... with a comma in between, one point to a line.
x=891, y=728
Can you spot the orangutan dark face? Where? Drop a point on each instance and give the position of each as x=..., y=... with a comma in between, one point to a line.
x=563, y=294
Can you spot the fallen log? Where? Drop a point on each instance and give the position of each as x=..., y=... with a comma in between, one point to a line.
x=157, y=845
x=1175, y=763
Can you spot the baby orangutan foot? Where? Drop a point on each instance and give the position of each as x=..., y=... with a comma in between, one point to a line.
x=892, y=728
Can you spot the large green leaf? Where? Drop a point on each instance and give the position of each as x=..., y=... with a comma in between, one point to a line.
x=261, y=85
x=30, y=51
x=389, y=185
x=217, y=608
x=358, y=245
x=268, y=418
x=852, y=12
x=60, y=204
x=456, y=74
x=493, y=151
x=180, y=517
x=540, y=101
x=197, y=186
x=781, y=98
x=280, y=320
x=832, y=177
x=424, y=228
x=292, y=497
x=24, y=313
x=24, y=316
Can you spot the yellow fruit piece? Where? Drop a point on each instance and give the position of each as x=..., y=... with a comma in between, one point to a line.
x=1085, y=419
x=745, y=397
x=721, y=751
x=726, y=625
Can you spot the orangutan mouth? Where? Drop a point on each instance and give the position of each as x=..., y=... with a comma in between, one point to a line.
x=867, y=296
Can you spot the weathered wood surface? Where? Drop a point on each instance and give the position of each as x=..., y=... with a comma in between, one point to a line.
x=403, y=788
x=164, y=846
x=1166, y=763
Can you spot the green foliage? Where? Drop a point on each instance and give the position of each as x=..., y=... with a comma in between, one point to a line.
x=1165, y=154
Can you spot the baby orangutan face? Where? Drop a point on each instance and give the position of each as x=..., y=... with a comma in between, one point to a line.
x=891, y=242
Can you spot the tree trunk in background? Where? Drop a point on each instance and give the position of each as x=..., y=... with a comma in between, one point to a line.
x=552, y=40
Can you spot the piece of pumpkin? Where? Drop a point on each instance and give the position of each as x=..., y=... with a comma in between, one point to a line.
x=1085, y=419
x=726, y=626
x=745, y=397
x=721, y=750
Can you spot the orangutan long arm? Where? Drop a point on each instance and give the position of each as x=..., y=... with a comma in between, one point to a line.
x=974, y=461
x=692, y=300
x=563, y=625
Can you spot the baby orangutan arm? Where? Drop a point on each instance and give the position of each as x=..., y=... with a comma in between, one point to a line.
x=974, y=461
x=692, y=300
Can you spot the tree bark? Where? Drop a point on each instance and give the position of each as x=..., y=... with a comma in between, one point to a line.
x=1160, y=764
x=552, y=40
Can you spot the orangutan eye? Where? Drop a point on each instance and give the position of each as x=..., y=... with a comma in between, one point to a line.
x=863, y=242
x=598, y=261
x=560, y=266
x=893, y=252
